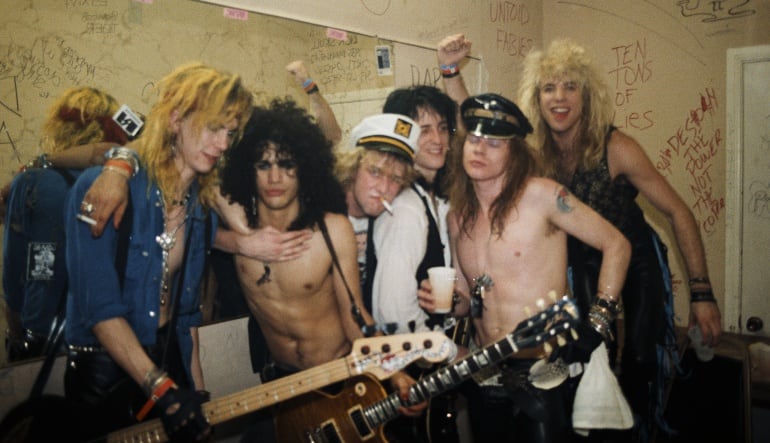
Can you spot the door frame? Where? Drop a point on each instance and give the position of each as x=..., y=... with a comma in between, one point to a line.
x=736, y=59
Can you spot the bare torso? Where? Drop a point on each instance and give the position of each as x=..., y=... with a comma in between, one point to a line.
x=527, y=261
x=297, y=309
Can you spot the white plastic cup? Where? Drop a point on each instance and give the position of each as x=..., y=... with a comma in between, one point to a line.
x=442, y=282
x=703, y=352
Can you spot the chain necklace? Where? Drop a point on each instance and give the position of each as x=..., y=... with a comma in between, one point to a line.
x=482, y=283
x=167, y=241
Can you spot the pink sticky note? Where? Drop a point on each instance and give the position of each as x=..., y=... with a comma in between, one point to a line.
x=237, y=14
x=336, y=34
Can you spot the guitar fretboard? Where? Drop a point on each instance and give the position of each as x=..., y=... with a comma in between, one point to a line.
x=442, y=380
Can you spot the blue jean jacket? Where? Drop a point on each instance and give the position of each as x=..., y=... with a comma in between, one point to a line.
x=34, y=274
x=95, y=292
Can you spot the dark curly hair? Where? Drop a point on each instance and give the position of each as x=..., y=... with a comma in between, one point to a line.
x=292, y=130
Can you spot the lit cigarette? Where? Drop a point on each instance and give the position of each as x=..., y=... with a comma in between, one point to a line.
x=85, y=219
x=387, y=205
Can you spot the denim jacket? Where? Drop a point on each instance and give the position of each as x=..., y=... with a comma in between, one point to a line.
x=34, y=274
x=95, y=293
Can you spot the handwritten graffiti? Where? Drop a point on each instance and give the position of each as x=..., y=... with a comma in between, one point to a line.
x=48, y=62
x=340, y=61
x=10, y=102
x=715, y=10
x=696, y=143
x=7, y=141
x=759, y=199
x=633, y=68
x=376, y=7
x=765, y=138
x=509, y=13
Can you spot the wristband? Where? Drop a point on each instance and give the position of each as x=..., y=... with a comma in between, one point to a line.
x=449, y=71
x=310, y=87
x=702, y=295
x=118, y=171
x=696, y=280
x=119, y=166
x=156, y=394
x=122, y=153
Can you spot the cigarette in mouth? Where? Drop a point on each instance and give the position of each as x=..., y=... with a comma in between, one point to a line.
x=387, y=205
x=85, y=219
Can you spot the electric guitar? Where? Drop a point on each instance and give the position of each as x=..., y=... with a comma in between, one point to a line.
x=379, y=357
x=359, y=412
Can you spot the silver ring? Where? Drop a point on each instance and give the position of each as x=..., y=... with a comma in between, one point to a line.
x=88, y=208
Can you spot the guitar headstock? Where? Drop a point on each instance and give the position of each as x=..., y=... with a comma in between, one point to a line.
x=560, y=317
x=382, y=356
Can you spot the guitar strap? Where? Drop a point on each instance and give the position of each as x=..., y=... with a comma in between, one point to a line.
x=368, y=330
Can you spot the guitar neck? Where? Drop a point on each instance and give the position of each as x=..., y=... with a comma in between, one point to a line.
x=442, y=380
x=252, y=399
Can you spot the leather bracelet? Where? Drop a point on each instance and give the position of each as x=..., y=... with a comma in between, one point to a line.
x=702, y=295
x=696, y=280
x=611, y=305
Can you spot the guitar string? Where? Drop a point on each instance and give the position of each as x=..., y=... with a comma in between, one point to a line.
x=336, y=368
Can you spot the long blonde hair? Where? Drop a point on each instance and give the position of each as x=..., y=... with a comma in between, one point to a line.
x=207, y=96
x=565, y=59
x=80, y=115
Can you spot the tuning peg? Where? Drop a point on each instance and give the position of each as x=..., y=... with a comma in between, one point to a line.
x=548, y=348
x=527, y=311
x=560, y=340
x=574, y=334
x=552, y=295
x=540, y=303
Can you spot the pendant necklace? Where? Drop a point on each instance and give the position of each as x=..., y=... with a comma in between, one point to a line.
x=167, y=241
x=481, y=284
x=266, y=276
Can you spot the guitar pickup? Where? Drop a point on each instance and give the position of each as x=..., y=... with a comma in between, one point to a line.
x=359, y=421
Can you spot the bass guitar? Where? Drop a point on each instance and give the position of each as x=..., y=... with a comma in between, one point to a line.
x=379, y=357
x=360, y=410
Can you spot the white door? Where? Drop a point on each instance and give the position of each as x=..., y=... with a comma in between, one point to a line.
x=747, y=249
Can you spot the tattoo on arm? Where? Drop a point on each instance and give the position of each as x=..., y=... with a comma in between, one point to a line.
x=562, y=200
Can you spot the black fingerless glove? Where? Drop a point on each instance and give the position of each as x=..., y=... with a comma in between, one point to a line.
x=579, y=350
x=187, y=423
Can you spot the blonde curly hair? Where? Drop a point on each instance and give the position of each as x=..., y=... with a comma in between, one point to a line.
x=81, y=115
x=565, y=59
x=209, y=97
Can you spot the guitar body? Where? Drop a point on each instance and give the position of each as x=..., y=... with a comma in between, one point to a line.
x=334, y=416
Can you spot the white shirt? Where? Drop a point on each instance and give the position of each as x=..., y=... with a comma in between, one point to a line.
x=400, y=241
